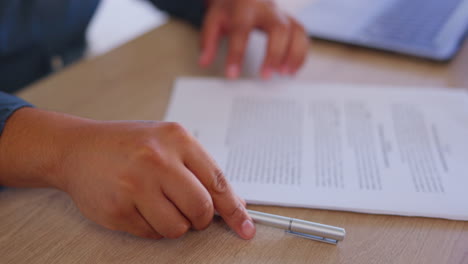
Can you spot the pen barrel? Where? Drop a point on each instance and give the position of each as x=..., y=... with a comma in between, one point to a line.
x=298, y=226
x=270, y=220
x=316, y=229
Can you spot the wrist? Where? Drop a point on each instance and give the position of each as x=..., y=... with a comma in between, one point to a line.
x=33, y=146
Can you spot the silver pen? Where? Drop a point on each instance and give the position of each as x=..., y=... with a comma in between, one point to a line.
x=306, y=229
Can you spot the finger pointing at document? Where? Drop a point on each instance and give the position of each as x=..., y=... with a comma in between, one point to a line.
x=159, y=167
x=150, y=179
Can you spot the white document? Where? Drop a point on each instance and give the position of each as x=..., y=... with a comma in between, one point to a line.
x=385, y=150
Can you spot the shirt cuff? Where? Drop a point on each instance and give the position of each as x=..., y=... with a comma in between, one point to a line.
x=192, y=11
x=8, y=105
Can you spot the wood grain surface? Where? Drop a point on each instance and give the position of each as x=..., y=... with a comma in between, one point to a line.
x=134, y=82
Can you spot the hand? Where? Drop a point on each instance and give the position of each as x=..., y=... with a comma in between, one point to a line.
x=150, y=179
x=287, y=40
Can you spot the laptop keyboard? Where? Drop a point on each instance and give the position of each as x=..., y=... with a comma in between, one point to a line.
x=414, y=22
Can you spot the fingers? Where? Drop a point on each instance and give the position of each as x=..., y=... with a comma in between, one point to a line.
x=242, y=201
x=287, y=48
x=139, y=227
x=210, y=36
x=225, y=201
x=287, y=41
x=297, y=50
x=124, y=216
x=276, y=50
x=237, y=44
x=190, y=197
x=162, y=215
x=241, y=26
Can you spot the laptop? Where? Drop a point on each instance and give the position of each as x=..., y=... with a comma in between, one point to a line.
x=432, y=29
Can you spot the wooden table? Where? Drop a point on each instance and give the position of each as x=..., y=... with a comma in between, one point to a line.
x=134, y=82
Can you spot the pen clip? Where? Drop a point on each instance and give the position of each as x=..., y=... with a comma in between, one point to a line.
x=312, y=237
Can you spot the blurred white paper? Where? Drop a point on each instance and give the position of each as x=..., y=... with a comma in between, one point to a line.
x=373, y=149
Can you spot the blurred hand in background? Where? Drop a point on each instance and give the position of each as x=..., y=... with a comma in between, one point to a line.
x=287, y=40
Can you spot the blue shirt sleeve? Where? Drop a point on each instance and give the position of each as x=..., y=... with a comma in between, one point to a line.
x=192, y=11
x=8, y=105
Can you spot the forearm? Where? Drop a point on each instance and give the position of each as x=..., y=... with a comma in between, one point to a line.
x=32, y=146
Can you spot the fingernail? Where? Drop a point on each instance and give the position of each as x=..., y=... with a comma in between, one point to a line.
x=267, y=73
x=247, y=229
x=232, y=71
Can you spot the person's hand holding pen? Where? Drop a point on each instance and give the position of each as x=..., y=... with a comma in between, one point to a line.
x=150, y=179
x=287, y=41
